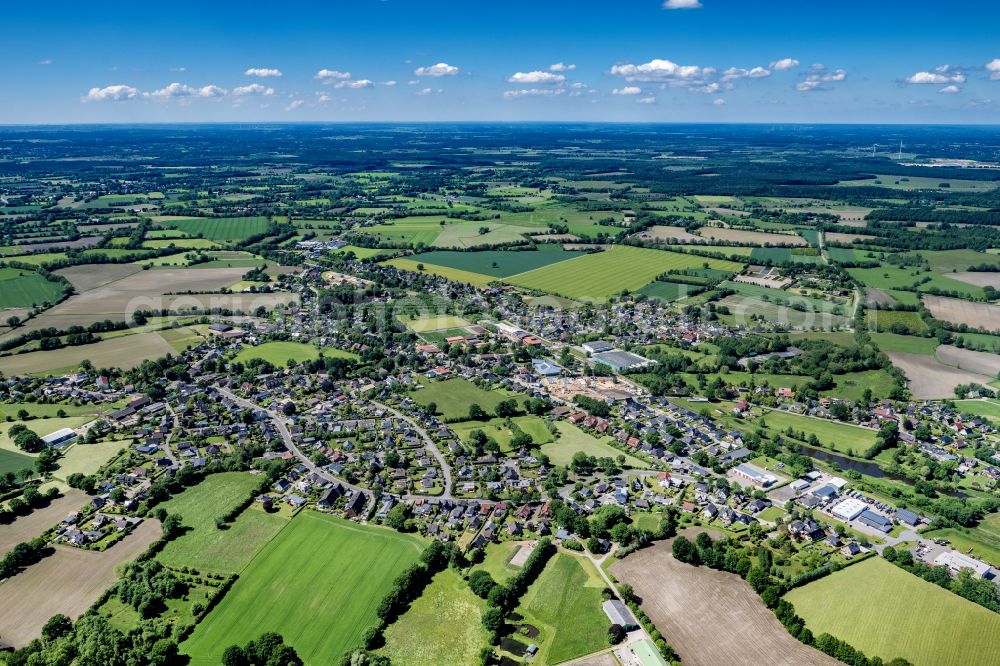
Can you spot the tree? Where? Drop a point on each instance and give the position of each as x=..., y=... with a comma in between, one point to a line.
x=493, y=620
x=481, y=583
x=476, y=413
x=431, y=408
x=685, y=551
x=616, y=634
x=507, y=408
x=397, y=517
x=57, y=627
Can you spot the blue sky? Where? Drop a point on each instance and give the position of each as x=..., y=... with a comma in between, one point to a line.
x=426, y=60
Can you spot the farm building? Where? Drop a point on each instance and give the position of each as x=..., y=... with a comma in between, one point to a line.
x=622, y=360
x=849, y=509
x=59, y=437
x=619, y=614
x=875, y=520
x=956, y=561
x=755, y=476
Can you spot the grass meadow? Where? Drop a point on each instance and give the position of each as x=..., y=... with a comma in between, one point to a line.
x=278, y=353
x=20, y=288
x=885, y=611
x=454, y=397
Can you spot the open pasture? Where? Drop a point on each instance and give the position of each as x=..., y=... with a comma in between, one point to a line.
x=598, y=276
x=453, y=397
x=895, y=321
x=921, y=183
x=279, y=353
x=453, y=274
x=20, y=288
x=688, y=605
x=572, y=440
x=833, y=435
x=317, y=583
x=470, y=234
x=498, y=430
x=747, y=237
x=887, y=612
x=782, y=297
x=72, y=578
x=498, y=264
x=744, y=307
x=947, y=261
x=670, y=291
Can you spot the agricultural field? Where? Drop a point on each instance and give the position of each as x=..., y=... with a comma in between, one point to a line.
x=922, y=183
x=750, y=237
x=895, y=321
x=497, y=264
x=564, y=604
x=126, y=353
x=965, y=359
x=205, y=546
x=474, y=279
x=841, y=437
x=781, y=297
x=231, y=229
x=930, y=379
x=12, y=461
x=572, y=440
x=689, y=604
x=669, y=291
x=743, y=308
x=447, y=618
x=80, y=458
x=428, y=323
x=596, y=277
x=27, y=527
x=982, y=407
x=20, y=288
x=952, y=310
x=317, y=583
x=73, y=579
x=278, y=354
x=930, y=626
x=453, y=398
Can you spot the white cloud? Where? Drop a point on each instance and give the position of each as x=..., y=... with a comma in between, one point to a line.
x=993, y=67
x=252, y=89
x=389, y=84
x=327, y=75
x=263, y=72
x=294, y=105
x=322, y=97
x=353, y=84
x=182, y=90
x=784, y=63
x=627, y=90
x=682, y=4
x=709, y=89
x=942, y=74
x=47, y=61
x=440, y=69
x=561, y=67
x=663, y=71
x=114, y=93
x=718, y=101
x=534, y=92
x=646, y=100
x=820, y=76
x=734, y=73
x=426, y=91
x=950, y=90
x=535, y=77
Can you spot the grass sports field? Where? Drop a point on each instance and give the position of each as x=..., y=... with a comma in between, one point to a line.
x=20, y=288
x=220, y=228
x=443, y=626
x=317, y=583
x=206, y=547
x=885, y=611
x=571, y=440
x=278, y=353
x=564, y=603
x=454, y=397
x=494, y=263
x=600, y=275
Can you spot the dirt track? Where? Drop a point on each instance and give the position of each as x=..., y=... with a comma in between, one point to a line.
x=68, y=582
x=710, y=617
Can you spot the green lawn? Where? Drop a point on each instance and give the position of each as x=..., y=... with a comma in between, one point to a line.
x=426, y=323
x=88, y=458
x=908, y=344
x=885, y=611
x=564, y=603
x=39, y=410
x=497, y=429
x=454, y=397
x=278, y=353
x=205, y=546
x=988, y=408
x=443, y=626
x=495, y=562
x=317, y=584
x=11, y=461
x=572, y=439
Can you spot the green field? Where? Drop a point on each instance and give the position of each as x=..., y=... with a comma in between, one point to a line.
x=218, y=228
x=205, y=546
x=498, y=430
x=363, y=252
x=40, y=410
x=497, y=558
x=564, y=603
x=453, y=274
x=454, y=397
x=427, y=323
x=888, y=320
x=12, y=461
x=317, y=583
x=887, y=612
x=20, y=288
x=598, y=276
x=495, y=263
x=743, y=307
x=982, y=541
x=907, y=344
x=278, y=353
x=88, y=458
x=831, y=434
x=946, y=261
x=572, y=439
x=779, y=296
x=443, y=626
x=670, y=291
x=987, y=408
x=42, y=427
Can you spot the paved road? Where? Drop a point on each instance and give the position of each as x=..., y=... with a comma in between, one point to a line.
x=431, y=448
